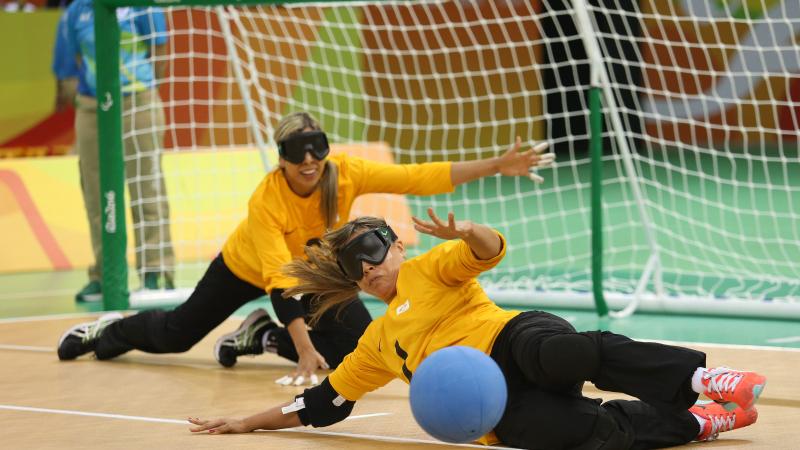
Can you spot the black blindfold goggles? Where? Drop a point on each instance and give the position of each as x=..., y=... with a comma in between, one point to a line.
x=294, y=148
x=370, y=247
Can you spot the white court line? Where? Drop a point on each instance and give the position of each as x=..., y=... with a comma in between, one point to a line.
x=784, y=340
x=726, y=346
x=91, y=414
x=27, y=348
x=377, y=437
x=293, y=430
x=126, y=417
x=56, y=316
x=35, y=294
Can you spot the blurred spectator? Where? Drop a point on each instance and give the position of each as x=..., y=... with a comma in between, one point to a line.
x=18, y=5
x=75, y=68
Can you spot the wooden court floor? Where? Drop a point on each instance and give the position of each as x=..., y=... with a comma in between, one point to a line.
x=141, y=401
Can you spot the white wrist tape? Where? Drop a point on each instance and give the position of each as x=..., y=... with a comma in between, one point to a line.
x=298, y=404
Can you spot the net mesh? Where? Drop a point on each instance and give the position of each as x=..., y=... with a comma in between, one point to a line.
x=705, y=93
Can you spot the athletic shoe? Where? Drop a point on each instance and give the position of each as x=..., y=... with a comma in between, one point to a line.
x=152, y=281
x=92, y=292
x=82, y=338
x=246, y=340
x=725, y=385
x=721, y=417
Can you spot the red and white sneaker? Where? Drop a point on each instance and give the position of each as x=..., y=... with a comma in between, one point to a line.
x=724, y=385
x=721, y=417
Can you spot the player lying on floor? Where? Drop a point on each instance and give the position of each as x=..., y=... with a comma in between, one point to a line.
x=434, y=300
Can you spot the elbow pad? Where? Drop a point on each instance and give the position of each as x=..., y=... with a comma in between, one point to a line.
x=323, y=405
x=287, y=309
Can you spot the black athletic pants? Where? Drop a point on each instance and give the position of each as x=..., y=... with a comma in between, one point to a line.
x=218, y=295
x=544, y=413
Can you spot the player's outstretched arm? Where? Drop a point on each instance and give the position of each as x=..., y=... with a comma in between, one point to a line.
x=511, y=163
x=482, y=240
x=271, y=419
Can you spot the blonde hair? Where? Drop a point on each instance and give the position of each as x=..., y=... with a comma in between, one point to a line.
x=319, y=274
x=295, y=123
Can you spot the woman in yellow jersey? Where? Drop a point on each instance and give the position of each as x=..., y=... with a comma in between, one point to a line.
x=293, y=206
x=434, y=301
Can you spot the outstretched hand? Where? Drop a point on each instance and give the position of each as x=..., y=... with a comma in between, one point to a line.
x=307, y=363
x=218, y=426
x=516, y=163
x=451, y=230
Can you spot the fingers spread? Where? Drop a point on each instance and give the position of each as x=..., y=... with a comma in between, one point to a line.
x=285, y=380
x=539, y=148
x=546, y=160
x=514, y=148
x=298, y=380
x=421, y=223
x=436, y=220
x=535, y=178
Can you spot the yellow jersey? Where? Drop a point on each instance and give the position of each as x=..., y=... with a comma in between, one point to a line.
x=279, y=222
x=439, y=303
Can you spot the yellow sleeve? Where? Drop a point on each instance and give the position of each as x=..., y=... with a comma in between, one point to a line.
x=453, y=262
x=361, y=371
x=269, y=244
x=416, y=179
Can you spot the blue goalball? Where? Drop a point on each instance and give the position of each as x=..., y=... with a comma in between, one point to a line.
x=458, y=394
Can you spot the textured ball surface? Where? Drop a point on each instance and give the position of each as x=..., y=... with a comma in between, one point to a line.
x=458, y=394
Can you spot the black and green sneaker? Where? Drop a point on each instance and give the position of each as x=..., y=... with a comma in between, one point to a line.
x=152, y=281
x=92, y=292
x=246, y=340
x=82, y=338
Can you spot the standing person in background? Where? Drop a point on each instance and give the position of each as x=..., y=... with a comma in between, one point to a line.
x=75, y=70
x=307, y=194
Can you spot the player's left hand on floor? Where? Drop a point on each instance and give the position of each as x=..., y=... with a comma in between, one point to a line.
x=298, y=380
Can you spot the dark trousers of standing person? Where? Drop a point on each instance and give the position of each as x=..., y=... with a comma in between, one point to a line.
x=217, y=296
x=545, y=363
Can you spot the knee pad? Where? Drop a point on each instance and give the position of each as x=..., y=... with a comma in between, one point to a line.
x=569, y=358
x=287, y=309
x=322, y=405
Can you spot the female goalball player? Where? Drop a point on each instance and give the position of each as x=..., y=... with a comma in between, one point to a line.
x=294, y=205
x=434, y=300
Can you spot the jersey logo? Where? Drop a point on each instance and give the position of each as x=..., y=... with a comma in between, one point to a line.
x=404, y=307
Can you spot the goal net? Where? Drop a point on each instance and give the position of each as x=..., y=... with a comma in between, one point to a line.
x=701, y=179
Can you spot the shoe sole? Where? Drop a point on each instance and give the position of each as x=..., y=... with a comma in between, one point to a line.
x=251, y=319
x=109, y=316
x=757, y=390
x=90, y=298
